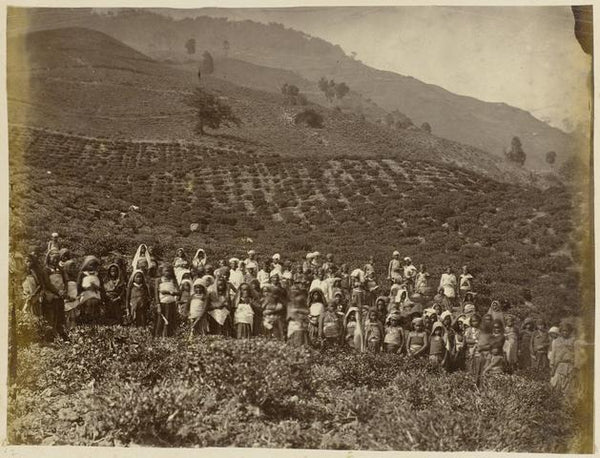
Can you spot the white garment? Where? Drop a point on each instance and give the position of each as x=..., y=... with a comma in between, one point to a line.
x=236, y=278
x=262, y=277
x=448, y=283
x=244, y=314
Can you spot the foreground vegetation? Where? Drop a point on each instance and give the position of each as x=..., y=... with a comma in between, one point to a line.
x=118, y=386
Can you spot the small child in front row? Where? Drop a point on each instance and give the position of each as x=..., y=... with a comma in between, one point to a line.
x=394, y=334
x=417, y=341
x=330, y=326
x=496, y=363
x=373, y=332
x=437, y=345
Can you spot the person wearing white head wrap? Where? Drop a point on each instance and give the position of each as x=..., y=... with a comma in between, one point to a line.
x=199, y=258
x=141, y=253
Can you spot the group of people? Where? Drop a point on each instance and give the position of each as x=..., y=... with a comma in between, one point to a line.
x=315, y=302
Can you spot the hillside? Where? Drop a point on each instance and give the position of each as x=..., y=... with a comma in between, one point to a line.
x=84, y=82
x=352, y=206
x=488, y=126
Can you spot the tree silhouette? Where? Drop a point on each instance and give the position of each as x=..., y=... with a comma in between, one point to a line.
x=516, y=153
x=190, y=46
x=426, y=127
x=208, y=65
x=551, y=157
x=211, y=112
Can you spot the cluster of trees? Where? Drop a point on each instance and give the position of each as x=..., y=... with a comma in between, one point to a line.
x=292, y=96
x=333, y=90
x=517, y=154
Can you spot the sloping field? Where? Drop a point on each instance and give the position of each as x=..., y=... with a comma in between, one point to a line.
x=86, y=83
x=86, y=187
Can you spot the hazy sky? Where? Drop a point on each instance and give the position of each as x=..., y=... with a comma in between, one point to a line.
x=524, y=56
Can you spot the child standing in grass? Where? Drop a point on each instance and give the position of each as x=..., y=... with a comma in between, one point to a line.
x=330, y=327
x=316, y=305
x=243, y=317
x=525, y=343
x=511, y=343
x=437, y=345
x=137, y=299
x=417, y=341
x=496, y=362
x=183, y=302
x=471, y=340
x=563, y=359
x=373, y=332
x=166, y=298
x=394, y=334
x=297, y=318
x=540, y=343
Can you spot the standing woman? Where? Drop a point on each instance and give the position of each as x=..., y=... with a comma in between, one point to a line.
x=91, y=291
x=166, y=295
x=199, y=258
x=449, y=284
x=114, y=285
x=141, y=254
x=180, y=263
x=562, y=363
x=219, y=308
x=422, y=282
x=54, y=305
x=198, y=306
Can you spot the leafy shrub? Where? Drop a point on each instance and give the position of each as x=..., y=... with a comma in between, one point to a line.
x=118, y=386
x=310, y=117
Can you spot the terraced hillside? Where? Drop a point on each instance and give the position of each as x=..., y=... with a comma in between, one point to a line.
x=106, y=195
x=84, y=82
x=488, y=126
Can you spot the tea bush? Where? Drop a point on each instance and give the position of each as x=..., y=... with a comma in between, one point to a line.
x=119, y=386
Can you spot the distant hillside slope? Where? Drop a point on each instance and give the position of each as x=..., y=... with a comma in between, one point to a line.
x=113, y=91
x=489, y=126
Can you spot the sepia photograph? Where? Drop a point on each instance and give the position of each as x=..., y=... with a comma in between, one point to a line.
x=321, y=227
